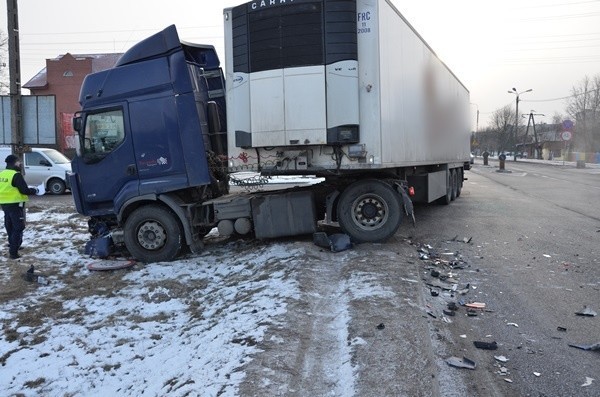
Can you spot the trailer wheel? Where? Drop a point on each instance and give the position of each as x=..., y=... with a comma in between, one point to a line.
x=369, y=211
x=447, y=198
x=453, y=184
x=460, y=182
x=152, y=234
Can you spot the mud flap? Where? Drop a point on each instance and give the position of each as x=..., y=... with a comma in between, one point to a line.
x=408, y=204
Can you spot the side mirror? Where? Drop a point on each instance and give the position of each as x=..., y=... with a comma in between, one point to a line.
x=77, y=123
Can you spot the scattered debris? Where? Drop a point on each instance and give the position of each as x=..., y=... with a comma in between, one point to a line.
x=461, y=363
x=513, y=324
x=561, y=329
x=381, y=326
x=502, y=359
x=594, y=347
x=467, y=240
x=448, y=312
x=434, y=292
x=587, y=312
x=508, y=380
x=452, y=306
x=537, y=374
x=463, y=336
x=485, y=345
x=588, y=382
x=33, y=277
x=111, y=264
x=336, y=242
x=471, y=313
x=475, y=305
x=547, y=256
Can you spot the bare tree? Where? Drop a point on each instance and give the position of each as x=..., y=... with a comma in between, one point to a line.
x=502, y=123
x=584, y=108
x=4, y=83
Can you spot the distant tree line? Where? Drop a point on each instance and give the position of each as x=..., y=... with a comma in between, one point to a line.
x=582, y=107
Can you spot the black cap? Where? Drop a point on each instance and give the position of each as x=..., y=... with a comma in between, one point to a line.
x=11, y=159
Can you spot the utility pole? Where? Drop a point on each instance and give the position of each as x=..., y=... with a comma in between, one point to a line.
x=516, y=126
x=14, y=68
x=537, y=152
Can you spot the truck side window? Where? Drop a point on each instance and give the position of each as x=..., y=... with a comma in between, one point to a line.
x=104, y=131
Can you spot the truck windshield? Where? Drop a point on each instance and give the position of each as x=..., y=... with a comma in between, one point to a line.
x=104, y=131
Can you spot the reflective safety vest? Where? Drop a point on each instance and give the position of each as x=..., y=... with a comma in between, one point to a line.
x=8, y=193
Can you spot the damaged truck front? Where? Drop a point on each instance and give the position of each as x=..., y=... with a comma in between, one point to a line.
x=345, y=90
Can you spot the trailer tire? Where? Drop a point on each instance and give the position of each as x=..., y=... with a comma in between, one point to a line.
x=460, y=182
x=447, y=198
x=369, y=211
x=152, y=234
x=453, y=184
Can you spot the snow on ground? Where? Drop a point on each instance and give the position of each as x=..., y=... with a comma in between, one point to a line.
x=181, y=328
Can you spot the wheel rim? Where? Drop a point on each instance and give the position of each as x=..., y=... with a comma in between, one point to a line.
x=151, y=236
x=369, y=212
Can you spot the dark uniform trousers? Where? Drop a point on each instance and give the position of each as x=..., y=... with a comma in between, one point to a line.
x=14, y=221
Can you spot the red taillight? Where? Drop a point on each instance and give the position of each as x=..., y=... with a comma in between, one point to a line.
x=411, y=191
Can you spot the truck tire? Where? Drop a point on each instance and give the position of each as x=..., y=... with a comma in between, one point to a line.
x=460, y=181
x=56, y=186
x=369, y=211
x=152, y=234
x=447, y=198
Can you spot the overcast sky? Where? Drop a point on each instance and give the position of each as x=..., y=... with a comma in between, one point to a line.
x=492, y=46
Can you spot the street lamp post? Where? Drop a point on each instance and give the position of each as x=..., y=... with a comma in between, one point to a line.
x=516, y=126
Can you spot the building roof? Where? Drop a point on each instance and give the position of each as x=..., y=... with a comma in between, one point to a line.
x=100, y=62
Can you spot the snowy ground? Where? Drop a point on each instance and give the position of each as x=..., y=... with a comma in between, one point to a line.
x=160, y=329
x=247, y=318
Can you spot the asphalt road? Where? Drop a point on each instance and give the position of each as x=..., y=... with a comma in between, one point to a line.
x=529, y=243
x=534, y=261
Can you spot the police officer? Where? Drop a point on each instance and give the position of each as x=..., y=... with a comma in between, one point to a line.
x=13, y=196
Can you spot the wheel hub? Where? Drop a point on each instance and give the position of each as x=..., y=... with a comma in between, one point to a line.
x=151, y=236
x=370, y=212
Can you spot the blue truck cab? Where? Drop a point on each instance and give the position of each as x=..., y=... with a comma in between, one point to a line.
x=150, y=128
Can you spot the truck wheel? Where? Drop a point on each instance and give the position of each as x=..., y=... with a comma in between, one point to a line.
x=369, y=211
x=152, y=234
x=56, y=186
x=459, y=173
x=453, y=184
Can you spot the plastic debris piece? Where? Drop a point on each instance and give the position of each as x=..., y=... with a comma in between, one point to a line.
x=547, y=256
x=561, y=329
x=471, y=313
x=381, y=326
x=430, y=313
x=513, y=324
x=467, y=240
x=463, y=336
x=448, y=312
x=452, y=306
x=336, y=242
x=502, y=359
x=537, y=374
x=587, y=312
x=475, y=305
x=588, y=382
x=434, y=292
x=594, y=347
x=461, y=363
x=446, y=320
x=434, y=273
x=508, y=380
x=485, y=345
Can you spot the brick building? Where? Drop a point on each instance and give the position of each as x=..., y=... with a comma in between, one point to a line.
x=62, y=77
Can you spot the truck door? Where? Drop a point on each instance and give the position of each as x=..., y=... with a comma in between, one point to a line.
x=105, y=172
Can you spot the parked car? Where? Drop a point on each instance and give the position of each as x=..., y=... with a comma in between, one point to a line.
x=44, y=165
